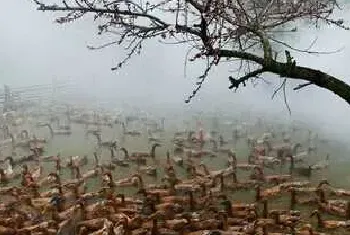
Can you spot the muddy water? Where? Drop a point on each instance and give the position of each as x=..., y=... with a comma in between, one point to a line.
x=338, y=173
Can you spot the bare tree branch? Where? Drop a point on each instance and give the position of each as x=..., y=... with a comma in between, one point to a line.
x=307, y=50
x=235, y=83
x=201, y=78
x=283, y=87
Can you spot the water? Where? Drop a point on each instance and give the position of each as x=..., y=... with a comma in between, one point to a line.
x=77, y=144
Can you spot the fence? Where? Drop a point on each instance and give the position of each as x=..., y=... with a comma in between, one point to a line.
x=57, y=90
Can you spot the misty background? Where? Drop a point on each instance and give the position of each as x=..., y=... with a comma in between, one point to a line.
x=35, y=50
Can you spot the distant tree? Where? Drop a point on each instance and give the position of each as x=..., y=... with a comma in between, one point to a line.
x=217, y=30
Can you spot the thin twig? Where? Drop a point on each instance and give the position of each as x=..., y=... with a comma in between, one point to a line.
x=308, y=49
x=302, y=86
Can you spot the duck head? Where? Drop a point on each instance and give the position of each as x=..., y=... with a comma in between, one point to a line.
x=53, y=178
x=9, y=161
x=56, y=199
x=107, y=177
x=24, y=169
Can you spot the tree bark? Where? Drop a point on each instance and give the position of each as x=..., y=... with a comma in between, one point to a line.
x=315, y=77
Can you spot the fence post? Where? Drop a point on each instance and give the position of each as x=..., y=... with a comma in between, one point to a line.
x=7, y=98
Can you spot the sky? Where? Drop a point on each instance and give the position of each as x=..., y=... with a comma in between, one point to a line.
x=35, y=50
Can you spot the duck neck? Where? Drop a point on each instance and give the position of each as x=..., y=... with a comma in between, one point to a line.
x=3, y=178
x=225, y=225
x=168, y=158
x=234, y=178
x=347, y=213
x=77, y=175
x=126, y=153
x=229, y=208
x=291, y=167
x=112, y=153
x=140, y=182
x=153, y=151
x=292, y=199
x=122, y=198
x=205, y=168
x=265, y=210
x=190, y=194
x=58, y=165
x=222, y=183
x=257, y=193
x=154, y=230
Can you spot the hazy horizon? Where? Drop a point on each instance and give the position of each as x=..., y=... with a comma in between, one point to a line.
x=34, y=50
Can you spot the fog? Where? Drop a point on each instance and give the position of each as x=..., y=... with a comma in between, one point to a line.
x=34, y=50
